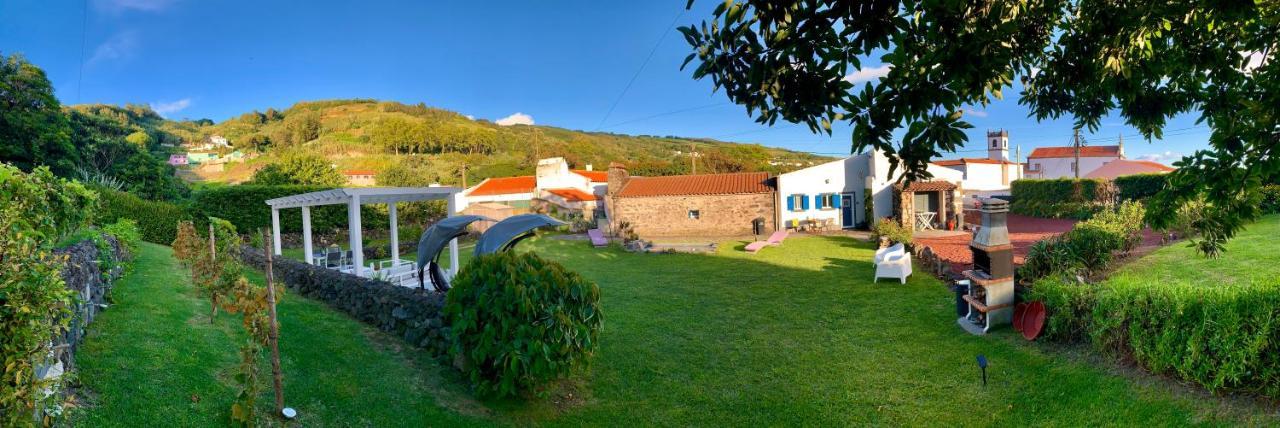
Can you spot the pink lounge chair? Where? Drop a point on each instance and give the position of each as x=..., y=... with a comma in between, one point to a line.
x=597, y=238
x=775, y=239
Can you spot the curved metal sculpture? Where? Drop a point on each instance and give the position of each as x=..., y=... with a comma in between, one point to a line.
x=500, y=237
x=433, y=242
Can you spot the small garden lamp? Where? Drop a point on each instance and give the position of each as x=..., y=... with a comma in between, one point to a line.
x=982, y=364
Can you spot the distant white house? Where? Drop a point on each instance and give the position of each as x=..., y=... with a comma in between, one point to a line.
x=989, y=176
x=214, y=142
x=1060, y=162
x=553, y=184
x=360, y=177
x=835, y=191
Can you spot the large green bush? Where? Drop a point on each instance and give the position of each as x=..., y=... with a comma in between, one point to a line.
x=1088, y=247
x=894, y=231
x=1271, y=199
x=245, y=206
x=156, y=220
x=1061, y=197
x=1138, y=187
x=1219, y=335
x=518, y=321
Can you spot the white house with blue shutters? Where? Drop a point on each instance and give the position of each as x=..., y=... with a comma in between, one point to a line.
x=834, y=191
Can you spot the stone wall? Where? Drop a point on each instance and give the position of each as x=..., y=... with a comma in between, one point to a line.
x=718, y=215
x=410, y=314
x=91, y=286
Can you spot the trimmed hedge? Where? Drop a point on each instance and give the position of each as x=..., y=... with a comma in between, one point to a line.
x=1271, y=199
x=157, y=220
x=1139, y=186
x=1219, y=335
x=1061, y=197
x=245, y=206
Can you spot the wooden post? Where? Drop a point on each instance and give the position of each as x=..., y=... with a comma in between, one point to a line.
x=213, y=255
x=273, y=334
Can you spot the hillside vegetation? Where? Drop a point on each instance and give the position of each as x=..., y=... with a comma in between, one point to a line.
x=429, y=145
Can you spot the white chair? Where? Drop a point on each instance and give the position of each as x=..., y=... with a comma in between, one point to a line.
x=893, y=262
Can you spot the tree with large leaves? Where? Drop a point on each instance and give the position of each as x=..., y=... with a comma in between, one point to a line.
x=1147, y=60
x=33, y=130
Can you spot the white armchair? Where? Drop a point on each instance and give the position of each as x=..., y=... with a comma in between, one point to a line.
x=893, y=262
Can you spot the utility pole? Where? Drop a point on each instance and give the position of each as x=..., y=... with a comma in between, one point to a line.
x=1076, y=138
x=693, y=159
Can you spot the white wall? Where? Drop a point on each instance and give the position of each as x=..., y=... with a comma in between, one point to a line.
x=852, y=175
x=553, y=173
x=465, y=200
x=1061, y=167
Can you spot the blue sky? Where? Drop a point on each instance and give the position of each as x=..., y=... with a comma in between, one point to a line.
x=559, y=63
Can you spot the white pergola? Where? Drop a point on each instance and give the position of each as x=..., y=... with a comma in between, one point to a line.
x=353, y=198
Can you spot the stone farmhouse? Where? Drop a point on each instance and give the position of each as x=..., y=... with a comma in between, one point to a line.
x=703, y=205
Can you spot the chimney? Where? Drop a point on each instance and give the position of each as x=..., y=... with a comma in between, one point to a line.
x=618, y=176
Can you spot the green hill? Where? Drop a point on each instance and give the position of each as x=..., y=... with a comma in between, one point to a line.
x=434, y=144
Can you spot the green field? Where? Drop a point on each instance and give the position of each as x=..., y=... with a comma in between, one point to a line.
x=795, y=335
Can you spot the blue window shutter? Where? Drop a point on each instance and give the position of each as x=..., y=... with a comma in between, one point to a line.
x=836, y=200
x=817, y=201
x=804, y=202
x=791, y=202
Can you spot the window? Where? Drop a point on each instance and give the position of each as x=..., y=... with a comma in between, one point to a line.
x=1035, y=167
x=1073, y=166
x=828, y=201
x=694, y=214
x=797, y=202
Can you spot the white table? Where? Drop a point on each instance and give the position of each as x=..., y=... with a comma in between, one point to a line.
x=924, y=220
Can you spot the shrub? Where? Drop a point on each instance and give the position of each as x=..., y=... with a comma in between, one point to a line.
x=518, y=321
x=1060, y=198
x=894, y=231
x=155, y=219
x=1089, y=246
x=126, y=232
x=1138, y=187
x=1220, y=336
x=52, y=207
x=1069, y=308
x=1048, y=257
x=1270, y=199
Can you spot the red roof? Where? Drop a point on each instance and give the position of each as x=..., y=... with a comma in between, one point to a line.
x=962, y=161
x=704, y=184
x=359, y=172
x=505, y=186
x=594, y=176
x=572, y=195
x=1067, y=152
x=927, y=186
x=1123, y=167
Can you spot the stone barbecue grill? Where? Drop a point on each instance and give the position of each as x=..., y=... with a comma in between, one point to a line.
x=990, y=295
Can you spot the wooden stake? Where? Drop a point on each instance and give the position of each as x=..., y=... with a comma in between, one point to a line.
x=213, y=255
x=273, y=334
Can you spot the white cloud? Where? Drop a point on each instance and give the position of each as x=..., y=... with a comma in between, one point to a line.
x=975, y=113
x=117, y=6
x=120, y=46
x=1165, y=158
x=166, y=108
x=868, y=74
x=516, y=118
x=470, y=117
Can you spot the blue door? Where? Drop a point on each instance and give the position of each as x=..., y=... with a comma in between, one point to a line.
x=846, y=211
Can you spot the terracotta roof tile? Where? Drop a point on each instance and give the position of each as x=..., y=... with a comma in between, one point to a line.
x=1066, y=152
x=1123, y=167
x=505, y=186
x=704, y=184
x=594, y=176
x=572, y=195
x=928, y=186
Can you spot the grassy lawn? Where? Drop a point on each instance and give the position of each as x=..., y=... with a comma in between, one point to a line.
x=795, y=335
x=1251, y=259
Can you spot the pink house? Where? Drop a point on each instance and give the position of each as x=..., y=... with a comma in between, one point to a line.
x=178, y=159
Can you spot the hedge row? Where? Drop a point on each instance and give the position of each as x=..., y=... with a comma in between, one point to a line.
x=1271, y=199
x=157, y=220
x=1139, y=186
x=1219, y=336
x=1061, y=197
x=245, y=206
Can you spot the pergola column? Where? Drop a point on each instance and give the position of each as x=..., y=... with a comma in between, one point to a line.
x=395, y=235
x=306, y=235
x=275, y=230
x=354, y=234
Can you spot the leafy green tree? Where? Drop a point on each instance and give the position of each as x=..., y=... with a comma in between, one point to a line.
x=1149, y=60
x=139, y=138
x=301, y=169
x=397, y=133
x=33, y=130
x=301, y=128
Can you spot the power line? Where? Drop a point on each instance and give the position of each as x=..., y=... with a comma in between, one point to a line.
x=84, y=34
x=668, y=113
x=641, y=69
